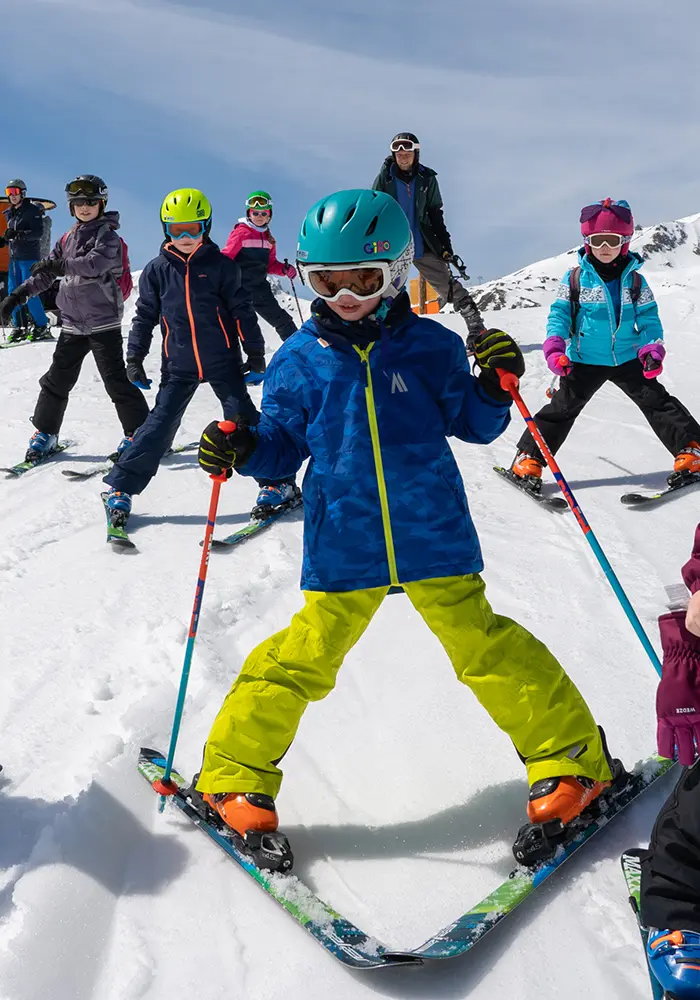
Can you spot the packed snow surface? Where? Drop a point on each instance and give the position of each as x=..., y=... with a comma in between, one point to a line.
x=401, y=797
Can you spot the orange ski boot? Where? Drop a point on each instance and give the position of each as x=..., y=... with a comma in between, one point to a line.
x=688, y=460
x=528, y=470
x=244, y=811
x=251, y=819
x=562, y=799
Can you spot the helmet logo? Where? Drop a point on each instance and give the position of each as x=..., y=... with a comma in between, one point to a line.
x=378, y=246
x=200, y=213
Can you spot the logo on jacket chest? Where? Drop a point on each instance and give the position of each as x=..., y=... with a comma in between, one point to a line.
x=398, y=384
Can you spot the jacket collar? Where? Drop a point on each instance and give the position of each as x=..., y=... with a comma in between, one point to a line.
x=364, y=332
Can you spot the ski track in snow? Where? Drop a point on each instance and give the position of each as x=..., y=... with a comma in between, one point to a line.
x=401, y=798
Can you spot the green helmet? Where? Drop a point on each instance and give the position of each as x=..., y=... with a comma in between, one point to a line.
x=259, y=199
x=186, y=205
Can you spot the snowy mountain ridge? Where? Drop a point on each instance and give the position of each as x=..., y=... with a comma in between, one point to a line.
x=671, y=245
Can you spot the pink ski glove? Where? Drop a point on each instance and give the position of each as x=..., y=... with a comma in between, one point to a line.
x=652, y=356
x=678, y=695
x=554, y=350
x=291, y=271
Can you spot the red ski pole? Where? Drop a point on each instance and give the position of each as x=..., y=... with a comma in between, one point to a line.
x=509, y=383
x=164, y=785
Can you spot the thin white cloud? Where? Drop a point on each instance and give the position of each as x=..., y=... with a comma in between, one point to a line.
x=515, y=151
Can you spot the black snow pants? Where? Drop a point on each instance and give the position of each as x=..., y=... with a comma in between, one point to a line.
x=674, y=426
x=671, y=867
x=267, y=306
x=56, y=384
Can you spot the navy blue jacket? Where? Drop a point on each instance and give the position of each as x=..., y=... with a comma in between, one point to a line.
x=28, y=219
x=384, y=502
x=203, y=311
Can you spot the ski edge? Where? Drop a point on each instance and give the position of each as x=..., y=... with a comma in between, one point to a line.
x=632, y=873
x=254, y=526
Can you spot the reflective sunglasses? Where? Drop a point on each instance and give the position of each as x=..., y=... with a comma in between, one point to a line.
x=176, y=230
x=598, y=240
x=623, y=213
x=260, y=211
x=404, y=145
x=84, y=187
x=13, y=190
x=331, y=281
x=258, y=202
x=86, y=201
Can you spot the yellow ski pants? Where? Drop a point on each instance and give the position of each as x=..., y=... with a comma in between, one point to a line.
x=514, y=676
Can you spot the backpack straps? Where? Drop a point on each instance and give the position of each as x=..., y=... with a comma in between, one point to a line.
x=574, y=295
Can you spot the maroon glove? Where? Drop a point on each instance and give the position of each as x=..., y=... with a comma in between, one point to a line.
x=678, y=695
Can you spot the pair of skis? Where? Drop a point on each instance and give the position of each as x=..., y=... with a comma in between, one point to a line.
x=351, y=945
x=558, y=503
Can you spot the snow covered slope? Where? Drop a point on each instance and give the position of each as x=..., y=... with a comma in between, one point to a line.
x=401, y=797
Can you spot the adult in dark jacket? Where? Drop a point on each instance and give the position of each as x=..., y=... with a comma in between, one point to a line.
x=416, y=189
x=670, y=889
x=25, y=226
x=194, y=293
x=87, y=259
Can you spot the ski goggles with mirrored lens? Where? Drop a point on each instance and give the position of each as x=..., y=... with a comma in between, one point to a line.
x=176, y=230
x=83, y=187
x=13, y=190
x=330, y=281
x=257, y=201
x=612, y=240
x=623, y=213
x=404, y=145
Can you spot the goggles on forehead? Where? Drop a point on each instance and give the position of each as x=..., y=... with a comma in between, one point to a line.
x=83, y=187
x=176, y=230
x=257, y=201
x=623, y=213
x=13, y=190
x=330, y=281
x=612, y=240
x=404, y=145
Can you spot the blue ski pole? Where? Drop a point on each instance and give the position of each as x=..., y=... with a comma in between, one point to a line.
x=164, y=785
x=509, y=383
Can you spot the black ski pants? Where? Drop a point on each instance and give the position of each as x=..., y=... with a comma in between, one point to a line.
x=674, y=426
x=670, y=894
x=56, y=384
x=267, y=306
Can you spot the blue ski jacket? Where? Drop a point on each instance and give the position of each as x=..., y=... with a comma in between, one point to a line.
x=384, y=501
x=600, y=337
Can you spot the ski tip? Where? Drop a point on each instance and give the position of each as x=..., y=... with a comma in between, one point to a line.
x=121, y=544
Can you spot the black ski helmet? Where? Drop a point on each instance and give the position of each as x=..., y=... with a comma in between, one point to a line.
x=406, y=135
x=87, y=186
x=17, y=183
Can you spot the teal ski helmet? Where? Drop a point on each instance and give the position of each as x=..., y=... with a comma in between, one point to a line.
x=357, y=227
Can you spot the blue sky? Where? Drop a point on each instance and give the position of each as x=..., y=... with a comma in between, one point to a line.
x=526, y=108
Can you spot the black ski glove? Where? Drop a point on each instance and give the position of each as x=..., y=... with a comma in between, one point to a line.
x=3, y=242
x=494, y=349
x=136, y=373
x=8, y=305
x=55, y=266
x=221, y=453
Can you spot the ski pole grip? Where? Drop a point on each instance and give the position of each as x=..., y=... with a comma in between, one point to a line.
x=226, y=427
x=509, y=381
